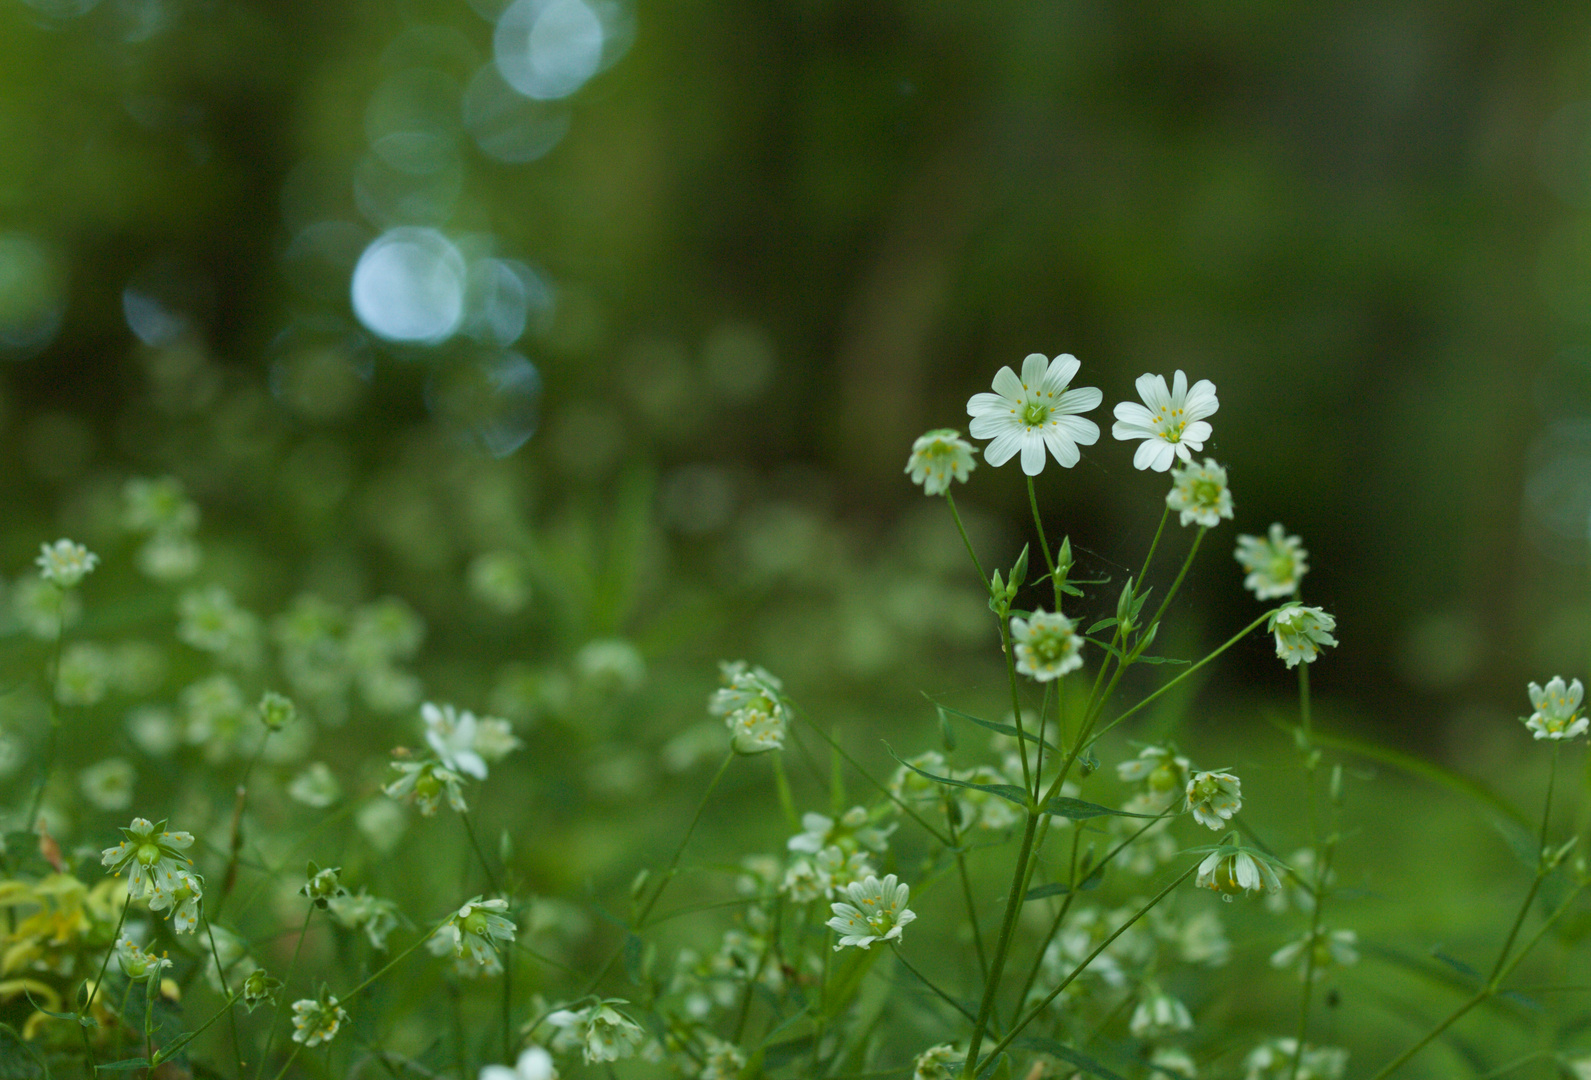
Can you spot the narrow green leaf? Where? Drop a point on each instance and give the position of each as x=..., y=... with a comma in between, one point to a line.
x=124, y=1066
x=1103, y=624
x=1159, y=660
x=1039, y=892
x=1004, y=729
x=1072, y=1057
x=1005, y=791
x=1077, y=809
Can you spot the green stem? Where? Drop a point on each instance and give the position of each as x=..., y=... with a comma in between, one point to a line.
x=508, y=957
x=991, y=985
x=905, y=807
x=99, y=980
x=950, y=501
x=1033, y=1014
x=946, y=998
x=966, y=889
x=220, y=970
x=1007, y=648
x=289, y=1062
x=166, y=1053
x=1177, y=584
x=390, y=964
x=287, y=981
x=1044, y=544
x=1318, y=892
x=48, y=765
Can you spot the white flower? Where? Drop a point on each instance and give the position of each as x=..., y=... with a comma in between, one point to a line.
x=1300, y=631
x=1170, y=423
x=65, y=563
x=495, y=738
x=424, y=783
x=938, y=1063
x=1330, y=948
x=108, y=784
x=1230, y=872
x=805, y=881
x=151, y=856
x=316, y=1021
x=452, y=735
x=181, y=892
x=378, y=917
x=1159, y=1015
x=1034, y=412
x=853, y=830
x=877, y=911
x=1214, y=797
x=1199, y=494
x=601, y=1031
x=751, y=707
x=534, y=1064
x=1174, y=1061
x=1162, y=769
x=1556, y=710
x=1275, y=563
x=939, y=457
x=137, y=964
x=476, y=928
x=743, y=684
x=1046, y=645
x=723, y=1061
x=1273, y=1060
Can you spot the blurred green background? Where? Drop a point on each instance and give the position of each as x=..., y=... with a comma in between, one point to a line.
x=619, y=325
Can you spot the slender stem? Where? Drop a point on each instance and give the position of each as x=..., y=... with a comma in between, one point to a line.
x=1165, y=514
x=99, y=980
x=1044, y=544
x=1303, y=705
x=48, y=766
x=1541, y=870
x=287, y=980
x=1032, y=1015
x=966, y=889
x=165, y=1053
x=236, y=843
x=905, y=807
x=1013, y=904
x=1007, y=648
x=1318, y=892
x=290, y=1059
x=950, y=501
x=508, y=957
x=1177, y=584
x=946, y=998
x=220, y=970
x=390, y=964
x=491, y=878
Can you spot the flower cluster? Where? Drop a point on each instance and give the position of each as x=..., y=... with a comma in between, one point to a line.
x=876, y=911
x=1301, y=632
x=157, y=869
x=602, y=1032
x=753, y=711
x=316, y=1020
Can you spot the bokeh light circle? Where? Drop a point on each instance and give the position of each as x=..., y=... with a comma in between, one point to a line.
x=490, y=400
x=409, y=285
x=548, y=49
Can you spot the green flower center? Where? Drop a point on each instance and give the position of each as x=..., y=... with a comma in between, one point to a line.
x=1206, y=492
x=1035, y=414
x=148, y=854
x=1049, y=648
x=428, y=786
x=475, y=924
x=1281, y=568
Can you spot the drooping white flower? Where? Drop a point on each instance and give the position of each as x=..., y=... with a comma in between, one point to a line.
x=939, y=457
x=424, y=784
x=1275, y=563
x=1329, y=948
x=1199, y=494
x=1557, y=709
x=1174, y=1061
x=1159, y=1015
x=1230, y=872
x=378, y=917
x=876, y=912
x=1273, y=1060
x=1035, y=413
x=137, y=964
x=854, y=829
x=601, y=1031
x=452, y=735
x=1300, y=632
x=1160, y=768
x=752, y=709
x=1047, y=646
x=316, y=1020
x=476, y=929
x=180, y=891
x=940, y=1062
x=1213, y=797
x=1170, y=422
x=65, y=563
x=534, y=1064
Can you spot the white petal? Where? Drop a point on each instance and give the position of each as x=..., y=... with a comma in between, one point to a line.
x=1195, y=434
x=1126, y=432
x=1152, y=388
x=1081, y=431
x=1032, y=454
x=1144, y=457
x=1003, y=448
x=1165, y=454
x=1081, y=400
x=1007, y=385
x=1064, y=449
x=989, y=425
x=1182, y=452
x=1201, y=401
x=986, y=403
x=1179, y=388
x=1133, y=413
x=1033, y=366
x=1061, y=372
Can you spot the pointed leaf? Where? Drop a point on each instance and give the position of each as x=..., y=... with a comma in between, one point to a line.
x=1005, y=791
x=1004, y=729
x=124, y=1066
x=1078, y=810
x=1072, y=1057
x=1039, y=892
x=1103, y=624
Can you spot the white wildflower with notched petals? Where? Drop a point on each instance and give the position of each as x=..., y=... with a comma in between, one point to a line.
x=853, y=830
x=65, y=563
x=601, y=1031
x=752, y=708
x=942, y=1062
x=137, y=964
x=1035, y=413
x=1199, y=494
x=1213, y=797
x=452, y=735
x=1170, y=422
x=877, y=911
x=424, y=784
x=1557, y=710
x=151, y=856
x=1300, y=632
x=1047, y=646
x=316, y=1020
x=1318, y=951
x=1275, y=562
x=475, y=930
x=1229, y=872
x=182, y=892
x=534, y=1063
x=939, y=457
